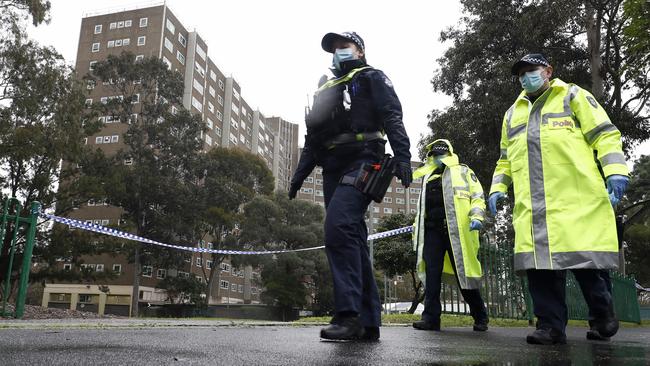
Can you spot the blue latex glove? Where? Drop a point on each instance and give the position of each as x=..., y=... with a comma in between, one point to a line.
x=475, y=225
x=616, y=185
x=492, y=201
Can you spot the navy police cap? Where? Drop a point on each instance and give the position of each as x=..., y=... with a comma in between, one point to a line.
x=328, y=40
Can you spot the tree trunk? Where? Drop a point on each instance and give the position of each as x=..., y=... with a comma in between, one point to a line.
x=593, y=20
x=417, y=298
x=135, y=296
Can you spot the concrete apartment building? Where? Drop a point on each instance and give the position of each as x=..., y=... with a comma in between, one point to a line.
x=155, y=31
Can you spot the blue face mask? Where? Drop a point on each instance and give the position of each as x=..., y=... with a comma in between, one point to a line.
x=532, y=81
x=341, y=55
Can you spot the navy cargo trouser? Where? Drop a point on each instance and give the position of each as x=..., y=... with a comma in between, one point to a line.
x=548, y=291
x=436, y=244
x=355, y=289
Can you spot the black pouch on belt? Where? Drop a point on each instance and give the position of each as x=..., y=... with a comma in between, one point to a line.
x=373, y=179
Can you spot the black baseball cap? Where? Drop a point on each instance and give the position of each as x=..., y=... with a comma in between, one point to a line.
x=328, y=40
x=438, y=148
x=530, y=59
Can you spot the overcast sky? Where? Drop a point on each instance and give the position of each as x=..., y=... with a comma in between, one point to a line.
x=272, y=48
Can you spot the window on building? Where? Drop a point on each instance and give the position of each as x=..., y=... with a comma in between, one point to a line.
x=319, y=193
x=99, y=139
x=375, y=209
x=139, y=58
x=169, y=45
x=233, y=138
x=110, y=44
x=105, y=222
x=144, y=22
x=135, y=98
x=167, y=62
x=235, y=94
x=196, y=104
x=117, y=268
x=399, y=201
x=212, y=91
x=199, y=69
x=224, y=284
x=233, y=287
x=170, y=26
x=211, y=107
x=225, y=267
x=208, y=140
x=219, y=116
x=209, y=123
x=142, y=40
x=217, y=130
x=128, y=23
x=182, y=40
x=98, y=28
x=413, y=201
x=241, y=288
x=415, y=190
x=115, y=138
x=89, y=102
x=234, y=123
x=388, y=199
x=309, y=180
x=221, y=86
x=180, y=57
x=95, y=47
x=208, y=263
x=198, y=86
x=199, y=262
x=213, y=75
x=412, y=210
x=91, y=65
x=147, y=271
x=161, y=273
x=220, y=99
x=399, y=190
x=118, y=43
x=99, y=267
x=120, y=24
x=67, y=266
x=126, y=41
x=113, y=25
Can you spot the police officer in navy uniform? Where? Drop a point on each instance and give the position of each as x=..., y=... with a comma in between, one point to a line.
x=345, y=127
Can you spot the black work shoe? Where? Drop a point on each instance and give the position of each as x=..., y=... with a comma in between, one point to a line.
x=424, y=325
x=344, y=329
x=370, y=334
x=594, y=335
x=606, y=327
x=481, y=325
x=546, y=337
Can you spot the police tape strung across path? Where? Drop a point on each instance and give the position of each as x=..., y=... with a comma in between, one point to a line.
x=120, y=234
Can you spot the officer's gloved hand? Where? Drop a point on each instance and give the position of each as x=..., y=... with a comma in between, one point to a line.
x=294, y=188
x=404, y=173
x=616, y=186
x=492, y=201
x=475, y=225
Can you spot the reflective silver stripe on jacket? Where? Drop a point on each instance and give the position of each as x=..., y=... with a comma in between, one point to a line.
x=595, y=132
x=612, y=158
x=570, y=260
x=477, y=211
x=452, y=227
x=502, y=178
x=537, y=194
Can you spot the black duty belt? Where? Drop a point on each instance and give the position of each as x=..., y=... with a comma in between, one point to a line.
x=346, y=138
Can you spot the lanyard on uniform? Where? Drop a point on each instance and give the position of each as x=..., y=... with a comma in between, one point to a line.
x=342, y=79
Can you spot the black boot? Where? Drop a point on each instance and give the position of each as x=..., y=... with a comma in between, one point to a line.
x=344, y=329
x=371, y=334
x=425, y=325
x=546, y=336
x=606, y=326
x=481, y=325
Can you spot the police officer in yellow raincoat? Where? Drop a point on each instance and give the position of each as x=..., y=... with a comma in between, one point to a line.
x=450, y=213
x=553, y=139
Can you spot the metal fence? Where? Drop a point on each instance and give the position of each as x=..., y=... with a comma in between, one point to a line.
x=17, y=237
x=506, y=294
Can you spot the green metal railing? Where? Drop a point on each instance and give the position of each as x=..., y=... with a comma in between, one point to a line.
x=11, y=225
x=506, y=294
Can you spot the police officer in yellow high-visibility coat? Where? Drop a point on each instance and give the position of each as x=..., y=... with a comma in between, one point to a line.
x=450, y=213
x=563, y=218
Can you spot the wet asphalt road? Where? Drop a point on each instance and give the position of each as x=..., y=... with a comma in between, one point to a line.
x=300, y=345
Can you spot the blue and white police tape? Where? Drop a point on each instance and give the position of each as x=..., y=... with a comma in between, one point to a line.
x=120, y=234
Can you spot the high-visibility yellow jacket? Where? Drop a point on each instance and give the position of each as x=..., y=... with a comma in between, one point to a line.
x=562, y=216
x=464, y=201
